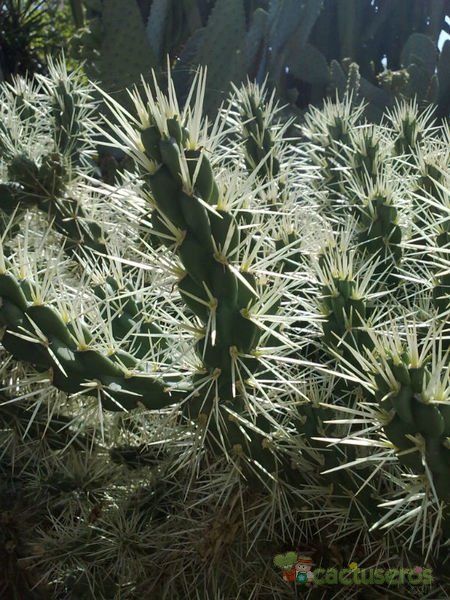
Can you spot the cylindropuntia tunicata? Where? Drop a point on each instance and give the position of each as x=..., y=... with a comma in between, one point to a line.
x=246, y=341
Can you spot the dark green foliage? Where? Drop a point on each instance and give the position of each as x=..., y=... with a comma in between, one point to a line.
x=298, y=44
x=29, y=30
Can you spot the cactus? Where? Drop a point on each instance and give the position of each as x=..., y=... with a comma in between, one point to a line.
x=304, y=47
x=115, y=48
x=222, y=50
x=248, y=356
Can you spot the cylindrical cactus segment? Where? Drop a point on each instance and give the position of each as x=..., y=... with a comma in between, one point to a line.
x=343, y=302
x=205, y=236
x=411, y=397
x=183, y=188
x=36, y=334
x=379, y=233
x=260, y=145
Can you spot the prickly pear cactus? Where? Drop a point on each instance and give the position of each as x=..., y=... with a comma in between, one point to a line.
x=235, y=355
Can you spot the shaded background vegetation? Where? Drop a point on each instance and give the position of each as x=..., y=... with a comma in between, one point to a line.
x=30, y=30
x=308, y=49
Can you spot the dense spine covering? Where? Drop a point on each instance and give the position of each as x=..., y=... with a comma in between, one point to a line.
x=264, y=324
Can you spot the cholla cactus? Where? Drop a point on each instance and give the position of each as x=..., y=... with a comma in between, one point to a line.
x=239, y=350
